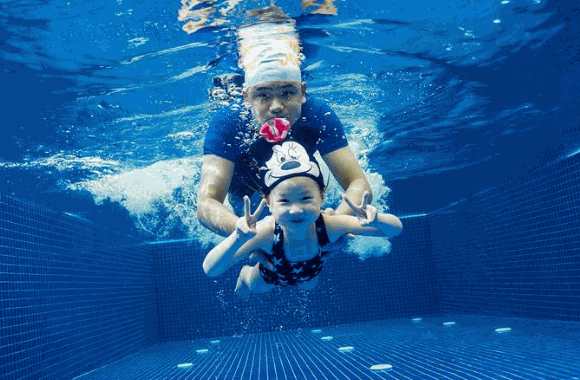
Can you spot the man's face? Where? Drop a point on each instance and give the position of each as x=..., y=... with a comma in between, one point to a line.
x=276, y=99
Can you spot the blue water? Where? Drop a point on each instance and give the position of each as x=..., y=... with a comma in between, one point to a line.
x=431, y=95
x=464, y=116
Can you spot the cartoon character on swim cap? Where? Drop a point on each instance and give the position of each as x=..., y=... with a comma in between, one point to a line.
x=288, y=160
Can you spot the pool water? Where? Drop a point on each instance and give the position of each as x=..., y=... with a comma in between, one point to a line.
x=463, y=115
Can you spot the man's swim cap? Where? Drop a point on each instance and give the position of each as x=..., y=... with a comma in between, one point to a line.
x=271, y=65
x=269, y=52
x=289, y=160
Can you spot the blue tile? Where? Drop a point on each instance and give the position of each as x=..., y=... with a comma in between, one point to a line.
x=471, y=349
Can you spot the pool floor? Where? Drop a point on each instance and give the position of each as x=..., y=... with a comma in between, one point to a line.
x=453, y=347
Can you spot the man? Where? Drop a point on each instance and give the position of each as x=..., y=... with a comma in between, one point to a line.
x=233, y=148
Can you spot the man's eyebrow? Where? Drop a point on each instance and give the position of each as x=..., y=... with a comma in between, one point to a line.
x=263, y=88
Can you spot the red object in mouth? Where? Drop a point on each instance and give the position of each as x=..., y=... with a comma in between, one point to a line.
x=276, y=133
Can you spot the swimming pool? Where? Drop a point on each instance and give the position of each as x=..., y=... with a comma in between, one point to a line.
x=456, y=347
x=464, y=116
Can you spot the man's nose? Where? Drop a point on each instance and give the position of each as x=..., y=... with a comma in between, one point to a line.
x=276, y=106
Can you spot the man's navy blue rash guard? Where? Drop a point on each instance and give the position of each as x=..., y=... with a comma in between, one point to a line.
x=233, y=135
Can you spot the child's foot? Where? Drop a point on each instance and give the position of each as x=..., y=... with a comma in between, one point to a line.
x=242, y=290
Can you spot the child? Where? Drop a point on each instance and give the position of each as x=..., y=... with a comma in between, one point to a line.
x=291, y=238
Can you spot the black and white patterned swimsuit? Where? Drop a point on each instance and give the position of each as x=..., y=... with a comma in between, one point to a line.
x=290, y=272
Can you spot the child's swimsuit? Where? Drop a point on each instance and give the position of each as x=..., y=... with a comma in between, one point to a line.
x=290, y=272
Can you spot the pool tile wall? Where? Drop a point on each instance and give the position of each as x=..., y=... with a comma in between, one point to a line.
x=514, y=249
x=76, y=296
x=73, y=296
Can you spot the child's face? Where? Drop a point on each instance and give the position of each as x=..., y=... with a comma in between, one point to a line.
x=276, y=99
x=295, y=203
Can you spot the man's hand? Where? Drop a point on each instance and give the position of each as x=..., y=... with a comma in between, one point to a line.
x=246, y=225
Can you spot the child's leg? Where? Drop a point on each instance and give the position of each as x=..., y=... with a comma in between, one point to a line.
x=256, y=282
x=250, y=280
x=242, y=289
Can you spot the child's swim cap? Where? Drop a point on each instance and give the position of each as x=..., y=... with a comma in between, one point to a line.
x=289, y=160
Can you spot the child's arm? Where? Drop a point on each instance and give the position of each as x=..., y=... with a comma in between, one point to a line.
x=247, y=237
x=367, y=222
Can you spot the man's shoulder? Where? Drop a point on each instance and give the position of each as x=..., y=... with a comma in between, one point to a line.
x=317, y=112
x=225, y=131
x=321, y=120
x=314, y=105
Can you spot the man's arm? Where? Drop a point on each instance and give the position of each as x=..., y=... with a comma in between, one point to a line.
x=347, y=171
x=216, y=176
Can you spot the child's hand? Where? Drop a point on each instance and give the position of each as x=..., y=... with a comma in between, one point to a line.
x=366, y=214
x=246, y=225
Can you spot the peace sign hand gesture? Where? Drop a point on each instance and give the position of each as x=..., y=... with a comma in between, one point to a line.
x=246, y=225
x=366, y=214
